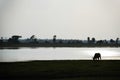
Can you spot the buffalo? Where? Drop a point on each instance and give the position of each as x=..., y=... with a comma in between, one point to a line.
x=97, y=56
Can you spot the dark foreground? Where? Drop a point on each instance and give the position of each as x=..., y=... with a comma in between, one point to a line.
x=61, y=70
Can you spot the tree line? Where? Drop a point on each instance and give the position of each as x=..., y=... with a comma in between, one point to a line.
x=15, y=39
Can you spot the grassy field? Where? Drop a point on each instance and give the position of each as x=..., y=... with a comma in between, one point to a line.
x=61, y=70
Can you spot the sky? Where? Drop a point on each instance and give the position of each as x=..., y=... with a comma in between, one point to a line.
x=68, y=19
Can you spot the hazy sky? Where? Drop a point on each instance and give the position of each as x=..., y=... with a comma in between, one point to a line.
x=67, y=19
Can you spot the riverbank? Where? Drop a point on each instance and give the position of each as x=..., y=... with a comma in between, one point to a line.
x=7, y=45
x=61, y=70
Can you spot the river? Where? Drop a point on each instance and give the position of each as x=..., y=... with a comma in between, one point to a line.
x=27, y=54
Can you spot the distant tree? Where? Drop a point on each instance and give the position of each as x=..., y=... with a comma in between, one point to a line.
x=88, y=39
x=112, y=41
x=105, y=41
x=100, y=42
x=54, y=38
x=14, y=39
x=93, y=39
x=1, y=40
x=117, y=39
x=32, y=37
x=60, y=41
x=46, y=41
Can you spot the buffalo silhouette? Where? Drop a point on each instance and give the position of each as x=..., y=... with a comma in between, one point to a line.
x=97, y=56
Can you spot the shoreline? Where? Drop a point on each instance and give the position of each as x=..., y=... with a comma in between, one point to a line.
x=57, y=45
x=17, y=47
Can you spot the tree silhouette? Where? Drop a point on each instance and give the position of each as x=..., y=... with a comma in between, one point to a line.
x=1, y=40
x=14, y=39
x=112, y=41
x=54, y=38
x=32, y=37
x=88, y=39
x=93, y=39
x=117, y=39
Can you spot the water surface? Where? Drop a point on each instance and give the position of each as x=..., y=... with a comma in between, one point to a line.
x=25, y=54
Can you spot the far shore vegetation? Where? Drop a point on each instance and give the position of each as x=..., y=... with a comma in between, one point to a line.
x=15, y=41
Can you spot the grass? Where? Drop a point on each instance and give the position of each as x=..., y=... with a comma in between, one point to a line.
x=62, y=70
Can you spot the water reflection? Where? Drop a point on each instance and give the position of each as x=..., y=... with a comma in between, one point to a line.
x=23, y=54
x=104, y=52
